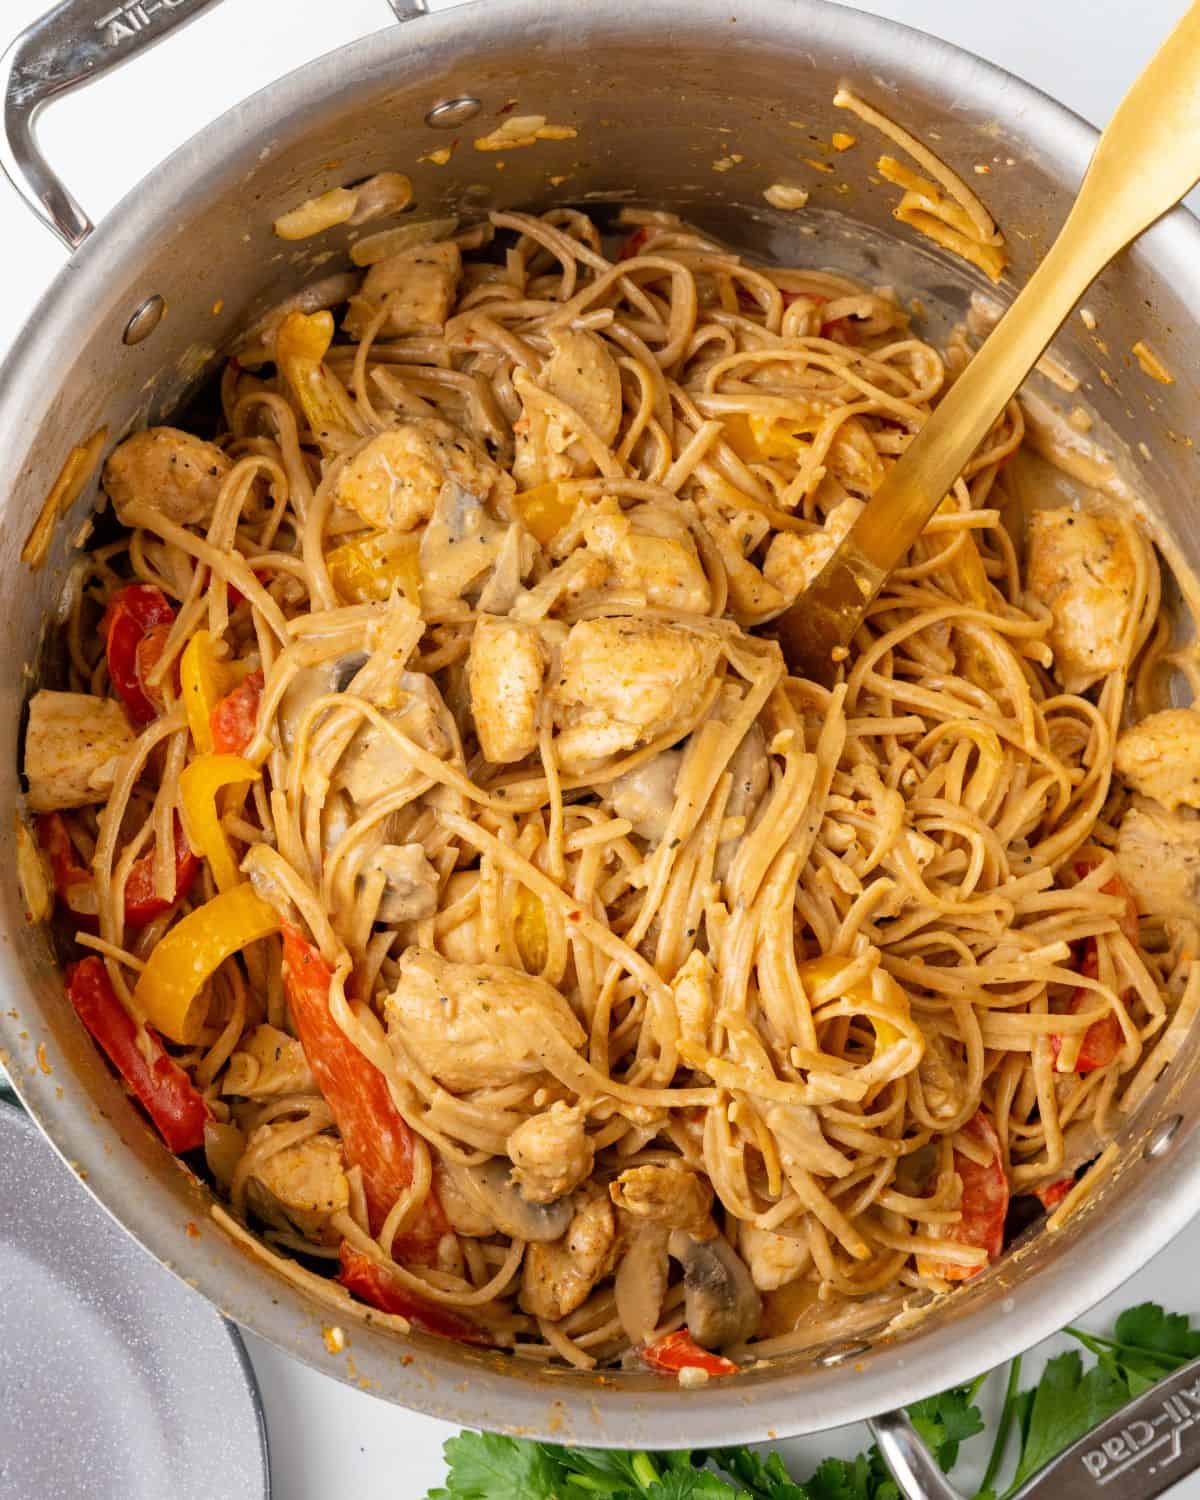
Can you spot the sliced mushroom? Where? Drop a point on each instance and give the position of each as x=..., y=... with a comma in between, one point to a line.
x=412, y=883
x=722, y=1304
x=646, y=795
x=641, y=1281
x=489, y=1189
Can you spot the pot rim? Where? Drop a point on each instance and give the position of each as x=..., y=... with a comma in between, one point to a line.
x=1136, y=1223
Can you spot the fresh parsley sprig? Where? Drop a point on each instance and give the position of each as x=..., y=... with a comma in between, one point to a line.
x=1067, y=1401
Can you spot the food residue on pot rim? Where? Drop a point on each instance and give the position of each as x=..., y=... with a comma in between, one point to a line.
x=1151, y=364
x=523, y=130
x=77, y=469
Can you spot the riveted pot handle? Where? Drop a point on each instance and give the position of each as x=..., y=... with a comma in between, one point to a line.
x=1137, y=1454
x=70, y=45
x=76, y=42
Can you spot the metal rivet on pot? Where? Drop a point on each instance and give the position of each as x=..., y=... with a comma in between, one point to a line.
x=841, y=1354
x=1160, y=1141
x=452, y=112
x=145, y=320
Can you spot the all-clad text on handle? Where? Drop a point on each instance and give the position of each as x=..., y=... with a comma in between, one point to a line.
x=1137, y=1454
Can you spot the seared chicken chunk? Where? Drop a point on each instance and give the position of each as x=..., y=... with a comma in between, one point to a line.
x=300, y=1186
x=693, y=990
x=794, y=561
x=583, y=375
x=418, y=285
x=667, y=1193
x=412, y=883
x=268, y=1062
x=625, y=681
x=551, y=1153
x=72, y=744
x=773, y=1259
x=558, y=1277
x=1158, y=857
x=1160, y=757
x=1081, y=565
x=650, y=551
x=504, y=673
x=471, y=1026
x=176, y=472
x=393, y=482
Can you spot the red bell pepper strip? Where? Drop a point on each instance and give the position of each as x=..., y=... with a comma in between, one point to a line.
x=375, y=1135
x=73, y=883
x=235, y=717
x=1104, y=1038
x=1051, y=1194
x=165, y=1091
x=142, y=904
x=680, y=1351
x=984, y=1205
x=76, y=887
x=632, y=244
x=371, y=1283
x=133, y=643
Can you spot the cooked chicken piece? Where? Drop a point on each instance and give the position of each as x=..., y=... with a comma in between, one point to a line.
x=583, y=375
x=412, y=883
x=505, y=670
x=474, y=1025
x=551, y=1153
x=794, y=561
x=1081, y=566
x=1158, y=857
x=72, y=744
x=646, y=795
x=773, y=1259
x=667, y=1193
x=173, y=471
x=373, y=764
x=624, y=681
x=299, y=1187
x=268, y=1062
x=693, y=990
x=459, y=545
x=751, y=595
x=417, y=284
x=557, y=1278
x=393, y=482
x=1160, y=757
x=649, y=551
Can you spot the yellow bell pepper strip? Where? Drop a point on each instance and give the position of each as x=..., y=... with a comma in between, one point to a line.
x=199, y=784
x=301, y=344
x=168, y=991
x=529, y=929
x=367, y=569
x=543, y=511
x=204, y=681
x=815, y=971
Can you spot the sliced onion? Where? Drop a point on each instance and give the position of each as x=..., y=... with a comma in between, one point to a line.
x=377, y=247
x=223, y=1148
x=385, y=193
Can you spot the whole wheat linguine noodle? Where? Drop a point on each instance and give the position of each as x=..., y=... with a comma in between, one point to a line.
x=628, y=938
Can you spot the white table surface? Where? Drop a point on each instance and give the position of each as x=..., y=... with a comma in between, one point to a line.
x=329, y=1441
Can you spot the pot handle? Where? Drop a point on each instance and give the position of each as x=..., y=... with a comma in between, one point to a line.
x=76, y=42
x=1142, y=1450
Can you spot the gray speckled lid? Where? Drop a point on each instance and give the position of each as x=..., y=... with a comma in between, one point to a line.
x=114, y=1380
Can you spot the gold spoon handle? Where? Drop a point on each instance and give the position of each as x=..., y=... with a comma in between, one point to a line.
x=1146, y=160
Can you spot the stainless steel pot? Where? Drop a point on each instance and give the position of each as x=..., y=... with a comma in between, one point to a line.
x=658, y=93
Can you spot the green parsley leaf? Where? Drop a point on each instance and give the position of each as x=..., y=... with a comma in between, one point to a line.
x=760, y=1475
x=1064, y=1405
x=1148, y=1327
x=945, y=1421
x=486, y=1466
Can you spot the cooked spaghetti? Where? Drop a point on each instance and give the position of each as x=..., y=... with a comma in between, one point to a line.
x=461, y=869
